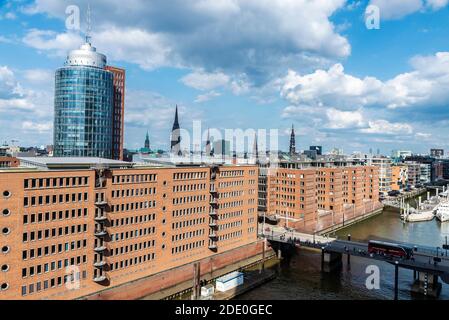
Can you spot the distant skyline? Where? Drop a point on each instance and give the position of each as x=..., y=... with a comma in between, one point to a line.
x=243, y=64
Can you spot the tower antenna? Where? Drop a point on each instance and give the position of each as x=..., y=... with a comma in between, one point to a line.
x=89, y=24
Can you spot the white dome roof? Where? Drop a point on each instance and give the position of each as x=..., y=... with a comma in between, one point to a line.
x=86, y=55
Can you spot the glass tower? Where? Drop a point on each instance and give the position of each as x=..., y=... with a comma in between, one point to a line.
x=84, y=106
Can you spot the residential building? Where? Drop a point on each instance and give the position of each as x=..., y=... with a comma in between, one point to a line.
x=425, y=173
x=399, y=177
x=384, y=164
x=414, y=173
x=401, y=154
x=437, y=153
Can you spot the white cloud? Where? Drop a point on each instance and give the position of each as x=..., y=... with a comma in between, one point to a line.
x=338, y=119
x=55, y=43
x=37, y=127
x=201, y=80
x=426, y=85
x=207, y=96
x=422, y=135
x=385, y=127
x=396, y=9
x=9, y=86
x=266, y=35
x=437, y=4
x=39, y=76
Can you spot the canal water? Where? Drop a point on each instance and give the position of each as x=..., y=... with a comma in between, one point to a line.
x=300, y=276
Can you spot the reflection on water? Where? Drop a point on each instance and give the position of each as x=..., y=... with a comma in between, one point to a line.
x=300, y=278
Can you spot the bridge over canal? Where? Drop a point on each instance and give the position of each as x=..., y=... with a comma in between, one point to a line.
x=429, y=265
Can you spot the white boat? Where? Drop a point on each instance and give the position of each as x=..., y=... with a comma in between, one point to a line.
x=421, y=216
x=443, y=211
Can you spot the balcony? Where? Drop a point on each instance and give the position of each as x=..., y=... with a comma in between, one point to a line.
x=213, y=224
x=100, y=279
x=213, y=236
x=100, y=249
x=213, y=201
x=213, y=247
x=102, y=218
x=213, y=213
x=100, y=264
x=101, y=233
x=101, y=203
x=213, y=189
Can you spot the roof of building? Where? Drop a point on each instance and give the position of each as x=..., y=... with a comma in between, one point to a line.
x=71, y=162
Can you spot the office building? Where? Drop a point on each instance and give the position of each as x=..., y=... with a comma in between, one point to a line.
x=118, y=121
x=314, y=199
x=318, y=149
x=109, y=223
x=89, y=106
x=222, y=148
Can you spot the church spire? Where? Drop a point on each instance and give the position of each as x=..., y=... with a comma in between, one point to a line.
x=176, y=136
x=208, y=145
x=147, y=141
x=256, y=149
x=176, y=122
x=292, y=141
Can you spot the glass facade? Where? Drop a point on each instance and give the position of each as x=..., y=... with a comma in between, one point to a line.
x=83, y=112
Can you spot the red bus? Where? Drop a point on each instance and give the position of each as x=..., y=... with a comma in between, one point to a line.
x=389, y=249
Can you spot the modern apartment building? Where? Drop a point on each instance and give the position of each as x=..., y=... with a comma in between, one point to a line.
x=72, y=227
x=425, y=173
x=315, y=198
x=414, y=172
x=89, y=106
x=384, y=164
x=399, y=177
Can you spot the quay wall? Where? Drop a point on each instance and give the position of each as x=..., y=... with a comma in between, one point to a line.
x=141, y=288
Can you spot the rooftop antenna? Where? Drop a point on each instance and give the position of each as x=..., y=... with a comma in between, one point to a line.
x=89, y=25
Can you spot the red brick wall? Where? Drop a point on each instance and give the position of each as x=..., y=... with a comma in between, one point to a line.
x=164, y=280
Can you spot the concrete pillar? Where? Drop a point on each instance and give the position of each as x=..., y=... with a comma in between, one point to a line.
x=196, y=281
x=331, y=261
x=396, y=281
x=427, y=285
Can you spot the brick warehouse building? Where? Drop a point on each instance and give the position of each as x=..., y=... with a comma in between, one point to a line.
x=313, y=199
x=109, y=223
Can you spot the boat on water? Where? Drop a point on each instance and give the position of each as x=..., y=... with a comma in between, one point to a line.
x=420, y=216
x=443, y=211
x=425, y=212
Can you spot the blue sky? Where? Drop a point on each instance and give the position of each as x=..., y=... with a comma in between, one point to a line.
x=243, y=64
